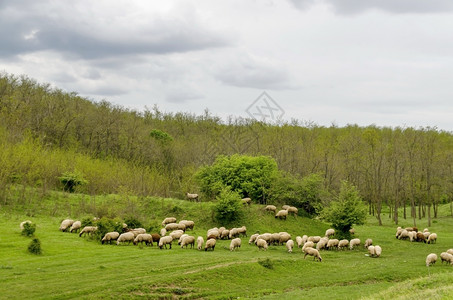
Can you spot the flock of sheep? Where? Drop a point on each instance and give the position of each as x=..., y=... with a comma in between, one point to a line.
x=283, y=213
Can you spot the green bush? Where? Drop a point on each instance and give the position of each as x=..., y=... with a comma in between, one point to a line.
x=108, y=225
x=267, y=263
x=29, y=229
x=229, y=207
x=133, y=222
x=35, y=247
x=88, y=221
x=72, y=180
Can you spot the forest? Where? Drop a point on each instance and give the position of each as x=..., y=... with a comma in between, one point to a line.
x=46, y=132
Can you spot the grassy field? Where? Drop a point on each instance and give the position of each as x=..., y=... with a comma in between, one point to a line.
x=74, y=267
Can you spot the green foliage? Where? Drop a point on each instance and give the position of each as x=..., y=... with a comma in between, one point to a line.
x=108, y=225
x=29, y=229
x=35, y=247
x=345, y=211
x=229, y=207
x=71, y=181
x=133, y=222
x=161, y=136
x=267, y=263
x=87, y=221
x=247, y=175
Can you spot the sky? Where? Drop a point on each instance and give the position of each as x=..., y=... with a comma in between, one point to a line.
x=381, y=62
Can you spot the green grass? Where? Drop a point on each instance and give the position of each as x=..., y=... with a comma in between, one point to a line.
x=74, y=267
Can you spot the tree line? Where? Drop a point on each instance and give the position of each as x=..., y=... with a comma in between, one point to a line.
x=46, y=131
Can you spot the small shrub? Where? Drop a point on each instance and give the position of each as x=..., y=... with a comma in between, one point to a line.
x=267, y=263
x=133, y=222
x=35, y=247
x=108, y=225
x=72, y=180
x=29, y=229
x=88, y=221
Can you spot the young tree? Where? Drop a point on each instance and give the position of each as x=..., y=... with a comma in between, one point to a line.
x=347, y=210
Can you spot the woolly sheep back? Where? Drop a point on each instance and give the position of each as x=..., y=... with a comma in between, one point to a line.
x=431, y=259
x=235, y=243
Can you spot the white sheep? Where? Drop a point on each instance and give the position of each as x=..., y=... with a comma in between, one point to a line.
x=88, y=230
x=125, y=237
x=431, y=259
x=377, y=251
x=188, y=224
x=290, y=245
x=210, y=244
x=65, y=224
x=192, y=196
x=330, y=232
x=181, y=238
x=144, y=237
x=312, y=252
x=262, y=244
x=368, y=243
x=322, y=243
x=109, y=237
x=399, y=230
x=292, y=210
x=284, y=237
x=281, y=214
x=213, y=234
x=308, y=245
x=188, y=240
x=242, y=231
x=21, y=225
x=163, y=232
x=173, y=226
x=235, y=243
x=404, y=234
x=426, y=234
x=285, y=207
x=353, y=243
x=371, y=250
x=343, y=244
x=164, y=241
x=299, y=241
x=246, y=201
x=200, y=242
x=445, y=256
x=425, y=230
x=304, y=239
x=233, y=233
x=225, y=234
x=176, y=234
x=168, y=221
x=265, y=236
x=412, y=235
x=253, y=238
x=75, y=226
x=450, y=251
x=333, y=243
x=314, y=239
x=432, y=238
x=271, y=208
x=137, y=231
x=275, y=239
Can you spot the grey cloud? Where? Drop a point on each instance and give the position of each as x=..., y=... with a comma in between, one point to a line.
x=182, y=96
x=392, y=6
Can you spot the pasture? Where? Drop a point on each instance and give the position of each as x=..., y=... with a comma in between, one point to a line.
x=80, y=267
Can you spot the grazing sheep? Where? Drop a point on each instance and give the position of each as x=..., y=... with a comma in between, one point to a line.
x=200, y=242
x=445, y=256
x=420, y=237
x=377, y=251
x=242, y=231
x=192, y=196
x=284, y=237
x=275, y=239
x=253, y=238
x=213, y=234
x=21, y=225
x=246, y=201
x=412, y=229
x=425, y=230
x=322, y=243
x=304, y=239
x=343, y=244
x=188, y=240
x=221, y=229
x=314, y=239
x=352, y=231
x=285, y=207
x=65, y=224
x=75, y=226
x=233, y=233
x=168, y=221
x=225, y=234
x=156, y=237
x=125, y=237
x=312, y=252
x=137, y=231
x=188, y=224
x=404, y=234
x=333, y=243
x=426, y=234
x=164, y=241
x=368, y=243
x=88, y=230
x=353, y=243
x=412, y=235
x=262, y=244
x=176, y=234
x=371, y=250
x=265, y=236
x=330, y=232
x=290, y=245
x=210, y=244
x=172, y=226
x=431, y=259
x=181, y=238
x=432, y=238
x=450, y=251
x=235, y=243
x=281, y=214
x=163, y=232
x=109, y=237
x=299, y=241
x=308, y=245
x=399, y=230
x=144, y=237
x=271, y=208
x=293, y=210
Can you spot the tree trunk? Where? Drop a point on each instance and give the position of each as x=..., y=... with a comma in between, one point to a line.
x=429, y=214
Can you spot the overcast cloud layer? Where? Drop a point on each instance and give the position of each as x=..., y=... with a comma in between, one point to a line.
x=383, y=62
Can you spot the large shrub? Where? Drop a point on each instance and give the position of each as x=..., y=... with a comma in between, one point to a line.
x=249, y=176
x=35, y=247
x=71, y=181
x=229, y=207
x=345, y=211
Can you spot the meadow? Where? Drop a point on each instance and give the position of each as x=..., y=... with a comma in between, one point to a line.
x=83, y=268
